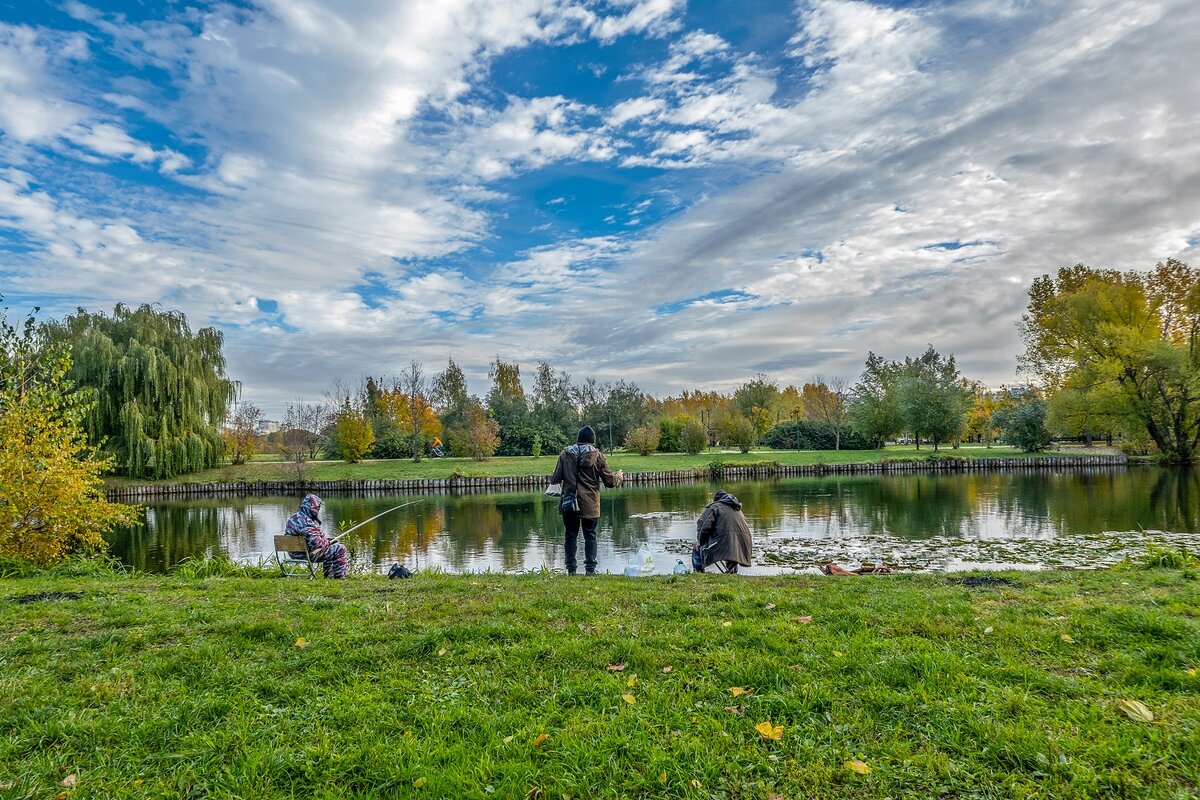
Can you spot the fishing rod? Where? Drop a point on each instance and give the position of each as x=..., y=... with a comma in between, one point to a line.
x=372, y=519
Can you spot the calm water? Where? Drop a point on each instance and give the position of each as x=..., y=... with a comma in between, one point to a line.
x=1078, y=518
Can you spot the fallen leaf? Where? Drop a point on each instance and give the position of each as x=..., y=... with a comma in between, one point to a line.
x=1136, y=710
x=738, y=691
x=632, y=681
x=302, y=642
x=804, y=620
x=71, y=781
x=857, y=766
x=667, y=670
x=773, y=796
x=418, y=783
x=628, y=698
x=726, y=624
x=695, y=784
x=1191, y=671
x=138, y=782
x=988, y=629
x=769, y=731
x=615, y=667
x=1066, y=637
x=442, y=651
x=738, y=711
x=541, y=737
x=662, y=776
x=769, y=606
x=838, y=653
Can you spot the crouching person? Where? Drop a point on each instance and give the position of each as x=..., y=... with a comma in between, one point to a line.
x=307, y=523
x=722, y=536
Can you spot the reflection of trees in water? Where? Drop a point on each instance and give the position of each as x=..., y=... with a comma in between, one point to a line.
x=170, y=533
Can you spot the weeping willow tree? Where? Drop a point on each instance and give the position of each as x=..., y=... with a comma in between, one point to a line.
x=159, y=392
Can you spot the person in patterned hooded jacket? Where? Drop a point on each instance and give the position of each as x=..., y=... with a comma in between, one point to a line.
x=307, y=523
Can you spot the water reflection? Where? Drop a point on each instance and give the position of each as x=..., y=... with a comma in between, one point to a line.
x=800, y=519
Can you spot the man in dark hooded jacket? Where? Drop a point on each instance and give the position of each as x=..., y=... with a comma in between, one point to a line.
x=581, y=468
x=722, y=535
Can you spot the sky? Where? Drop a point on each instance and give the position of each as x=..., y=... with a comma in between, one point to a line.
x=677, y=193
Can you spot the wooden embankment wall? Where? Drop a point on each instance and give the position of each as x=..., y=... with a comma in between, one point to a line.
x=466, y=485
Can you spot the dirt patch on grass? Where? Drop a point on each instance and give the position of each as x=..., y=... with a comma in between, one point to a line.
x=34, y=598
x=975, y=581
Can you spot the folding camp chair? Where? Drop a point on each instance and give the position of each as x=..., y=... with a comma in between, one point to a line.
x=286, y=548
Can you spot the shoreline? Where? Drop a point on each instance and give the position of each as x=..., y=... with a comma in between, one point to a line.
x=731, y=472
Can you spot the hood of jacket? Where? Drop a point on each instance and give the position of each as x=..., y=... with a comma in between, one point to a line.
x=311, y=506
x=725, y=498
x=580, y=449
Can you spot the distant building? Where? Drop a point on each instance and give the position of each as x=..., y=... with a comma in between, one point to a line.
x=266, y=426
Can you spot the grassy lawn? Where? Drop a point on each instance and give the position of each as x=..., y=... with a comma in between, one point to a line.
x=484, y=686
x=527, y=465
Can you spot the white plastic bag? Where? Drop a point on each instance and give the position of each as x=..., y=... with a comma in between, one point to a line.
x=554, y=490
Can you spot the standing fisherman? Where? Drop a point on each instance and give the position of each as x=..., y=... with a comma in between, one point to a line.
x=581, y=469
x=307, y=523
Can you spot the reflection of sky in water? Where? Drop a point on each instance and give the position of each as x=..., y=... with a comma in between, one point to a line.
x=947, y=521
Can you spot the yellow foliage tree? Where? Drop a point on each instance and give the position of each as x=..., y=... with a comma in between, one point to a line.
x=51, y=499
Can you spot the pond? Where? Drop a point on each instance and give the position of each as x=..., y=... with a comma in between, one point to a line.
x=1031, y=519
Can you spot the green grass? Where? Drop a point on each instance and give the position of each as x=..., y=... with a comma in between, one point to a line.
x=443, y=686
x=401, y=469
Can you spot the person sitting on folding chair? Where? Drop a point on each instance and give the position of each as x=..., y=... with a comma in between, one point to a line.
x=307, y=523
x=722, y=536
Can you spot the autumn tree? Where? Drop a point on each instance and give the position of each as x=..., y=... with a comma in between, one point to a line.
x=240, y=435
x=411, y=405
x=481, y=433
x=51, y=494
x=758, y=401
x=158, y=392
x=694, y=437
x=352, y=433
x=827, y=401
x=1125, y=345
x=642, y=440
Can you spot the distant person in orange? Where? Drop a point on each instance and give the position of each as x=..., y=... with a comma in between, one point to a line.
x=437, y=447
x=581, y=469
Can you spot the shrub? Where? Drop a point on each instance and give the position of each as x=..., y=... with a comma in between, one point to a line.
x=694, y=437
x=1024, y=426
x=804, y=435
x=643, y=440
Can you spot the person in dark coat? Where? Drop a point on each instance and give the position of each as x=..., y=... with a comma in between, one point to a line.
x=581, y=468
x=722, y=536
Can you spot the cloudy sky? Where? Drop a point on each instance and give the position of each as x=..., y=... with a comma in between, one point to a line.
x=675, y=192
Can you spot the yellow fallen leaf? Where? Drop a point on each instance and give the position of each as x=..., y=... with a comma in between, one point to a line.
x=769, y=731
x=508, y=739
x=988, y=629
x=71, y=781
x=632, y=681
x=442, y=651
x=738, y=691
x=838, y=653
x=138, y=782
x=418, y=783
x=541, y=737
x=726, y=624
x=1191, y=672
x=857, y=766
x=1136, y=710
x=628, y=698
x=667, y=670
x=302, y=642
x=662, y=776
x=1066, y=637
x=695, y=784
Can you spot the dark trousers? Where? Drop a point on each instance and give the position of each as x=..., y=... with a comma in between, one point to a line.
x=573, y=523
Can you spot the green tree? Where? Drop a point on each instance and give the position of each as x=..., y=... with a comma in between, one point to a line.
x=158, y=392
x=1126, y=345
x=694, y=437
x=875, y=404
x=51, y=493
x=828, y=402
x=933, y=402
x=1024, y=425
x=759, y=400
x=508, y=405
x=737, y=431
x=451, y=401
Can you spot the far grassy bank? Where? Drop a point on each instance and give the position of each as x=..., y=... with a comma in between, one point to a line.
x=482, y=686
x=516, y=466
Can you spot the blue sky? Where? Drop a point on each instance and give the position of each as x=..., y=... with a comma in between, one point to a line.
x=677, y=193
